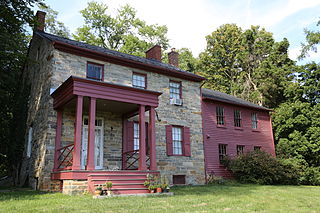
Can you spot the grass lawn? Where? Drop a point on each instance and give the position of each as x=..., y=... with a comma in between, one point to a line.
x=212, y=198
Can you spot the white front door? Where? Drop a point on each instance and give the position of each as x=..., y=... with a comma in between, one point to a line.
x=98, y=145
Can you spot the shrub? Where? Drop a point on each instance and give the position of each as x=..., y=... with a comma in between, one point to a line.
x=212, y=179
x=262, y=168
x=311, y=176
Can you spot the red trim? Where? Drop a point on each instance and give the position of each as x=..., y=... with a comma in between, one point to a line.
x=152, y=139
x=145, y=78
x=102, y=90
x=77, y=134
x=102, y=70
x=125, y=62
x=142, y=139
x=91, y=134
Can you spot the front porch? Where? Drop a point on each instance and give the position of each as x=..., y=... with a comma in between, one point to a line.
x=104, y=143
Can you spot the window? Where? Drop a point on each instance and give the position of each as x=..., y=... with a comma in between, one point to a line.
x=177, y=140
x=179, y=179
x=95, y=71
x=254, y=120
x=29, y=145
x=220, y=115
x=139, y=81
x=136, y=136
x=222, y=152
x=257, y=148
x=175, y=90
x=240, y=149
x=237, y=118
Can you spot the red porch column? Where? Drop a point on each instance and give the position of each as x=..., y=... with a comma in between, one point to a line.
x=91, y=134
x=77, y=134
x=57, y=140
x=152, y=139
x=142, y=139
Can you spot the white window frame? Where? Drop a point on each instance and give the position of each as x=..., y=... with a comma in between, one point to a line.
x=177, y=140
x=136, y=136
x=175, y=90
x=139, y=81
x=254, y=120
x=29, y=145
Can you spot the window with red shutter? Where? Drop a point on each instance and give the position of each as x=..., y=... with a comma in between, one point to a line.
x=129, y=143
x=186, y=141
x=169, y=140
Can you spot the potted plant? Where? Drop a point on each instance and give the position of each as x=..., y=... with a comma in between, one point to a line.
x=108, y=185
x=151, y=188
x=158, y=188
x=165, y=187
x=98, y=190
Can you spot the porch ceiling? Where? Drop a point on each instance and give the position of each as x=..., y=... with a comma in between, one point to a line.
x=105, y=105
x=111, y=93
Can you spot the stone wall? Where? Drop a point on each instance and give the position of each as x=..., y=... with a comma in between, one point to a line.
x=189, y=114
x=41, y=117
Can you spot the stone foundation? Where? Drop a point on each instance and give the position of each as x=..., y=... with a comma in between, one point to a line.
x=74, y=187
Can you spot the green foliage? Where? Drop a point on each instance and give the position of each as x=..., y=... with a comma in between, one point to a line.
x=248, y=64
x=262, y=168
x=52, y=25
x=124, y=32
x=15, y=15
x=313, y=39
x=312, y=176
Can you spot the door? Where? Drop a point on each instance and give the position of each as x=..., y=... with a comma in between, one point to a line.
x=98, y=145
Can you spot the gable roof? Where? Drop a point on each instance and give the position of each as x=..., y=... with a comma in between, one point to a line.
x=225, y=98
x=99, y=53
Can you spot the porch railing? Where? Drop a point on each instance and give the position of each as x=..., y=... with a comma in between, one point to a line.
x=131, y=160
x=65, y=157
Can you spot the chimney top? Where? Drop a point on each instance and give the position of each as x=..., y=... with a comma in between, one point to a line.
x=173, y=57
x=40, y=19
x=154, y=53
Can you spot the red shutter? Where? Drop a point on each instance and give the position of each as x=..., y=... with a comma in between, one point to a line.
x=169, y=139
x=129, y=141
x=186, y=141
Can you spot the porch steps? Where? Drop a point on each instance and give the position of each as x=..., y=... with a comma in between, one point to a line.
x=122, y=182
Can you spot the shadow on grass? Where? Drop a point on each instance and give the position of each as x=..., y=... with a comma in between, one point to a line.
x=14, y=193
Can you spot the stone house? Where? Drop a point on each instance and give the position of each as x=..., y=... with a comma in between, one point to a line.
x=96, y=114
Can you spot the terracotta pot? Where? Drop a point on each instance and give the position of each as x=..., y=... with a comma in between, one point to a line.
x=109, y=192
x=159, y=190
x=151, y=190
x=97, y=192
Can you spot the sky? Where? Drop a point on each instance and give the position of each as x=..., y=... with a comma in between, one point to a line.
x=190, y=21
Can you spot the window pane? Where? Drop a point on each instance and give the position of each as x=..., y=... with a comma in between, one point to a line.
x=177, y=140
x=136, y=136
x=94, y=71
x=237, y=118
x=139, y=81
x=220, y=115
x=254, y=120
x=175, y=90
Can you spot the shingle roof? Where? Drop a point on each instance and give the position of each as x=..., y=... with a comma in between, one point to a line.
x=223, y=97
x=113, y=53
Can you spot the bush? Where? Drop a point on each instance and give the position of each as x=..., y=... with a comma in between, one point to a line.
x=311, y=176
x=262, y=168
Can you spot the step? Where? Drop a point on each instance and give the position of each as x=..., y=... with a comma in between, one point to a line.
x=121, y=186
x=130, y=191
x=119, y=176
x=137, y=181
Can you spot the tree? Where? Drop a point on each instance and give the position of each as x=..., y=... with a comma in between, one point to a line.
x=248, y=64
x=124, y=32
x=313, y=39
x=52, y=25
x=15, y=15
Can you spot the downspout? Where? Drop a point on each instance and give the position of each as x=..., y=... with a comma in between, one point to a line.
x=204, y=158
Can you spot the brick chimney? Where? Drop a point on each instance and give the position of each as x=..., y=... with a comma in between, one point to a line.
x=154, y=53
x=41, y=19
x=173, y=57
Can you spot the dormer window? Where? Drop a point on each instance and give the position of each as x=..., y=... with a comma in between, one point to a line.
x=139, y=80
x=95, y=71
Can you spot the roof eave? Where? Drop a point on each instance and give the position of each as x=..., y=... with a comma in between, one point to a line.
x=123, y=61
x=237, y=104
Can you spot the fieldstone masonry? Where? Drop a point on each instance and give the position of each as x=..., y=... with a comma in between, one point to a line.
x=54, y=67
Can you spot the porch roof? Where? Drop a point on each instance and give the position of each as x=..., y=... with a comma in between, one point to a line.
x=102, y=90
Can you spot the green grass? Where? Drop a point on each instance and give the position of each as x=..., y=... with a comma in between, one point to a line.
x=212, y=198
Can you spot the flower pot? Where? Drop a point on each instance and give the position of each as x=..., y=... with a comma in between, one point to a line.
x=109, y=192
x=97, y=192
x=159, y=190
x=151, y=190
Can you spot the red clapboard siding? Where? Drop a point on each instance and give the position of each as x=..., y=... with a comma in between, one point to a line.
x=232, y=136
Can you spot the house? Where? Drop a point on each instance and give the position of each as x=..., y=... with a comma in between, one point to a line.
x=96, y=114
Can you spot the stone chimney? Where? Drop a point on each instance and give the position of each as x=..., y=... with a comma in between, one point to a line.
x=41, y=19
x=154, y=53
x=173, y=57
